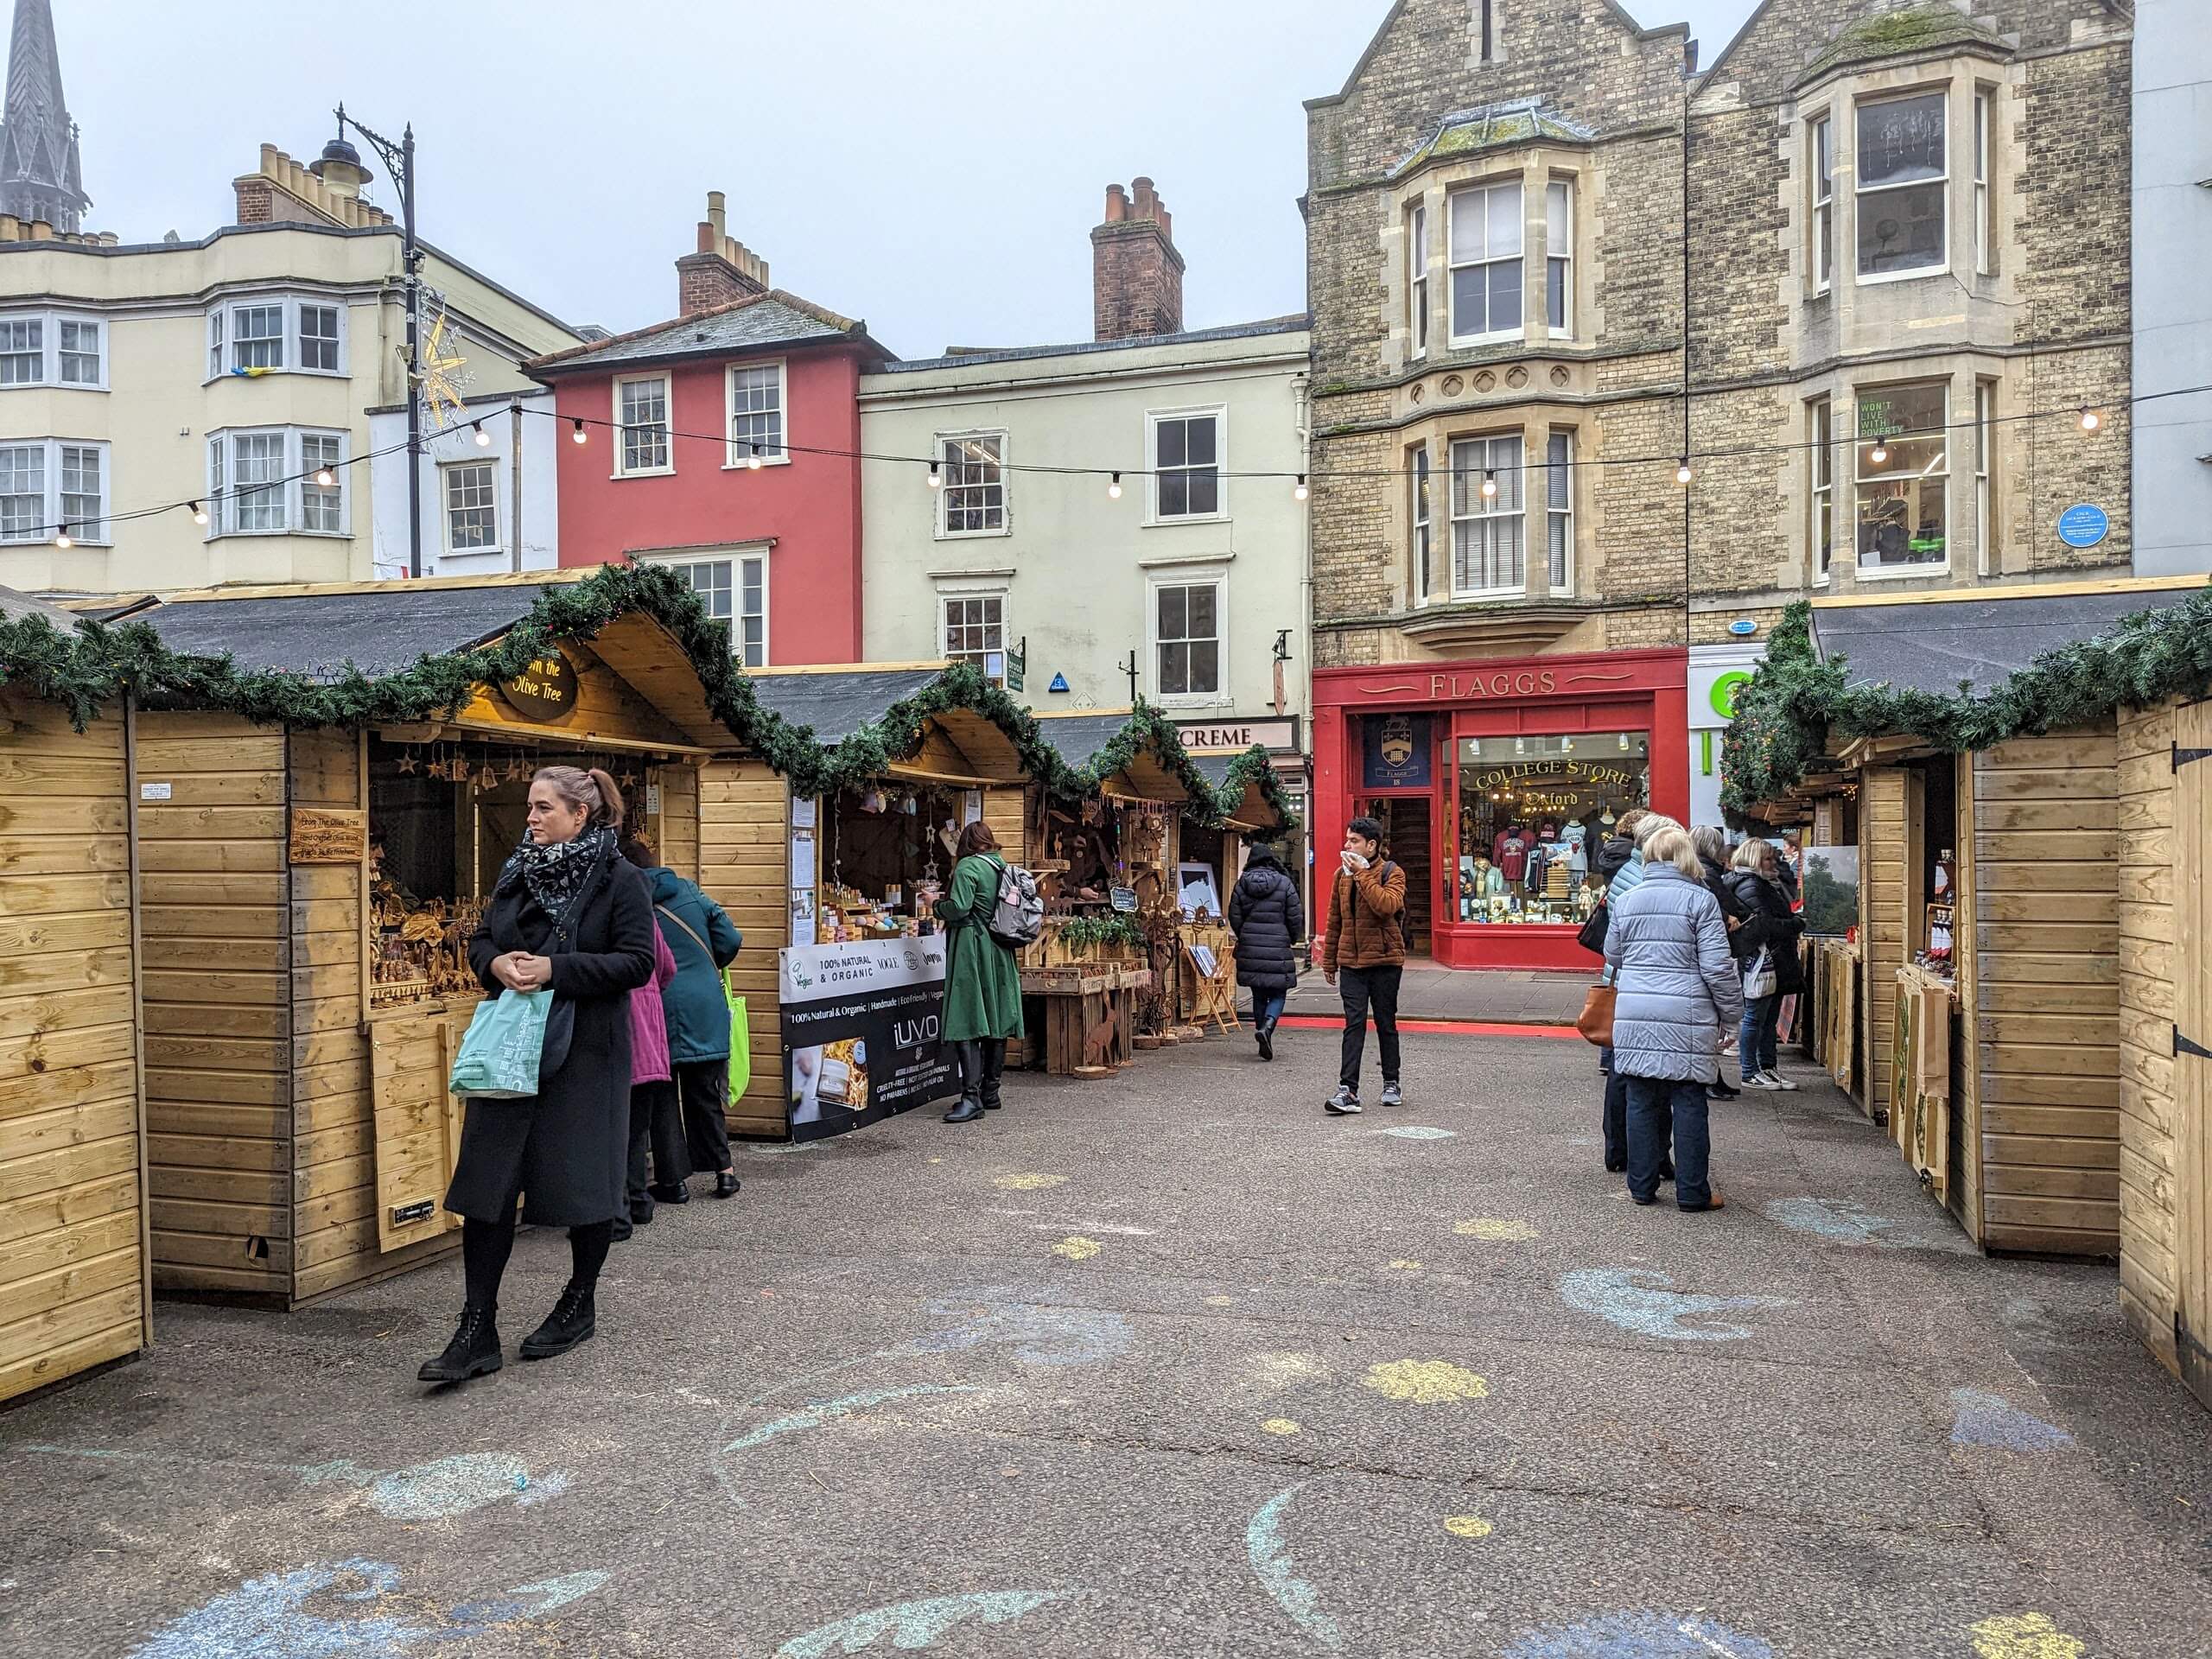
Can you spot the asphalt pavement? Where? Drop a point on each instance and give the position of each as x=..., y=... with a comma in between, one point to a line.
x=1171, y=1364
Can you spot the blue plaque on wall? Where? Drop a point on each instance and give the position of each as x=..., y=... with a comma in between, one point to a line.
x=1396, y=751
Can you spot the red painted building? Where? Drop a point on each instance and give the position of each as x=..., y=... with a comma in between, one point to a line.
x=1495, y=780
x=700, y=447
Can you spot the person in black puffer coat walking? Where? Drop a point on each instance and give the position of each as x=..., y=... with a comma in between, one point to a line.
x=1755, y=883
x=1267, y=920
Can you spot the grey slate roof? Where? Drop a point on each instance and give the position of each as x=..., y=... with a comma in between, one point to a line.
x=839, y=702
x=319, y=634
x=14, y=607
x=955, y=359
x=1934, y=645
x=1495, y=126
x=1079, y=737
x=772, y=319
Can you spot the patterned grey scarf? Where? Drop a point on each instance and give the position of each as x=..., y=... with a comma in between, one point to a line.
x=555, y=871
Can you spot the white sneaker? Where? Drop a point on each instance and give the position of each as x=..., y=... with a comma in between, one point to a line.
x=1757, y=1080
x=1775, y=1080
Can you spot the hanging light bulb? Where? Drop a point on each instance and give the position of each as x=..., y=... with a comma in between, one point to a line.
x=1489, y=485
x=1299, y=492
x=1624, y=742
x=483, y=438
x=578, y=433
x=937, y=479
x=198, y=513
x=1683, y=473
x=2091, y=420
x=752, y=461
x=324, y=478
x=63, y=539
x=1114, y=488
x=1879, y=455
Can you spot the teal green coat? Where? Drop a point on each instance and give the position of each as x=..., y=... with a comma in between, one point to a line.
x=983, y=981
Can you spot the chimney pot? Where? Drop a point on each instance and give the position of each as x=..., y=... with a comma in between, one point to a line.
x=1137, y=274
x=716, y=213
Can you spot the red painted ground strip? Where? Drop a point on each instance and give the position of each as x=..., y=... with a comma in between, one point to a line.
x=1451, y=1027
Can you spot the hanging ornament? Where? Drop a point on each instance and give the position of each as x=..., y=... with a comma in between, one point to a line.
x=628, y=779
x=514, y=767
x=487, y=778
x=407, y=761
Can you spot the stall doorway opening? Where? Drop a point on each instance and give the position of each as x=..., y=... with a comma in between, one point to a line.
x=1409, y=842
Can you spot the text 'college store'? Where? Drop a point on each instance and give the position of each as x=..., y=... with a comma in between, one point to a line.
x=1495, y=783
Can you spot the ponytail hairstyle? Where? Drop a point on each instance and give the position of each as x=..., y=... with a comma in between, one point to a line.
x=593, y=790
x=975, y=838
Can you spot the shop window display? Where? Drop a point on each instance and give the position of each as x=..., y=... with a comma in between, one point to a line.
x=1532, y=811
x=887, y=855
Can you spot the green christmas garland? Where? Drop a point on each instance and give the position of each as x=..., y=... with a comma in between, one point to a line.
x=1796, y=706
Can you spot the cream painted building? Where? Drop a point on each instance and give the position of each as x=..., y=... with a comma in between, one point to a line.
x=232, y=375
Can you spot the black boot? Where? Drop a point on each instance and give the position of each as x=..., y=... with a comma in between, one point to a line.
x=726, y=1184
x=572, y=1320
x=994, y=1069
x=473, y=1351
x=1266, y=1034
x=969, y=1106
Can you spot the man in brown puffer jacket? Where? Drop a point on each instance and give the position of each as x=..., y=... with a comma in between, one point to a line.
x=1366, y=942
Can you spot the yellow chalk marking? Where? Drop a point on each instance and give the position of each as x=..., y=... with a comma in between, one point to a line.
x=936, y=1160
x=1280, y=1425
x=1404, y=1266
x=1076, y=1249
x=1425, y=1382
x=1029, y=1182
x=1467, y=1526
x=2031, y=1635
x=1495, y=1231
x=1221, y=1302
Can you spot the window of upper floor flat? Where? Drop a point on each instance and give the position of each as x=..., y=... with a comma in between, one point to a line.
x=49, y=348
x=276, y=333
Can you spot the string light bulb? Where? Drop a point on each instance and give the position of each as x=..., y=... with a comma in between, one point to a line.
x=1489, y=485
x=1682, y=472
x=937, y=479
x=198, y=513
x=1114, y=487
x=1299, y=492
x=578, y=434
x=63, y=539
x=752, y=461
x=2091, y=420
x=1879, y=455
x=324, y=478
x=483, y=438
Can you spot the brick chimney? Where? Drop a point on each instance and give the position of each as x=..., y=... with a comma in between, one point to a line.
x=722, y=270
x=1136, y=281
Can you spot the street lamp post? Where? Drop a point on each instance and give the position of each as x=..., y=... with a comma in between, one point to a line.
x=400, y=163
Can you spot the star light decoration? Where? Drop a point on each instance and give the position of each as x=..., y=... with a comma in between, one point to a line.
x=442, y=378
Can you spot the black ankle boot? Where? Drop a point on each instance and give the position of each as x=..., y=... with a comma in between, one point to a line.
x=572, y=1320
x=473, y=1351
x=967, y=1110
x=726, y=1184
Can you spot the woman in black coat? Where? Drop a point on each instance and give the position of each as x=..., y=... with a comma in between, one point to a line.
x=1267, y=920
x=1755, y=884
x=569, y=914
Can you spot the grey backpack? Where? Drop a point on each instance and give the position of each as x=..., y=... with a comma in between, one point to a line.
x=1019, y=916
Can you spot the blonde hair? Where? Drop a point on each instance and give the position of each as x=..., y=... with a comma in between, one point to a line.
x=1630, y=821
x=1673, y=845
x=1754, y=855
x=593, y=790
x=1654, y=824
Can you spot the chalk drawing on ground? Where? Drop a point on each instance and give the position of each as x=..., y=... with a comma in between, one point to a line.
x=1980, y=1419
x=913, y=1625
x=1639, y=1636
x=1271, y=1561
x=1647, y=1304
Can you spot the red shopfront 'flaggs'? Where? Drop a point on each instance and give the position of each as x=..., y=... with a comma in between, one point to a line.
x=1496, y=781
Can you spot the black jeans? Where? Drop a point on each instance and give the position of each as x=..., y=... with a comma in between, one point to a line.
x=656, y=1125
x=704, y=1086
x=1364, y=988
x=1615, y=1112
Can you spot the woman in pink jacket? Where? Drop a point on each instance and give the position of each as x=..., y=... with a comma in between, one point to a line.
x=649, y=1063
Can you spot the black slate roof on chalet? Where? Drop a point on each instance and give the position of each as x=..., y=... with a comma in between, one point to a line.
x=317, y=635
x=1933, y=646
x=839, y=702
x=14, y=607
x=1078, y=738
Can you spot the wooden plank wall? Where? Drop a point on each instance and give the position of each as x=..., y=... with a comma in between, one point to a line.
x=678, y=823
x=216, y=936
x=2144, y=800
x=72, y=1247
x=1884, y=881
x=2046, y=946
x=334, y=1187
x=1963, y=1195
x=745, y=865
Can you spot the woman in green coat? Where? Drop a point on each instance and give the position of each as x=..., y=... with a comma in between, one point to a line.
x=983, y=982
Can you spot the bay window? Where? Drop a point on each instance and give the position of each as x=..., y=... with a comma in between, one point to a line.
x=1558, y=509
x=1487, y=531
x=1422, y=565
x=1417, y=277
x=1820, y=437
x=1985, y=449
x=1485, y=262
x=51, y=485
x=262, y=481
x=1820, y=138
x=273, y=334
x=1559, y=261
x=45, y=349
x=1902, y=478
x=1903, y=174
x=1985, y=134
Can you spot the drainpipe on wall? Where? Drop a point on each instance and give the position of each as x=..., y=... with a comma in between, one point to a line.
x=1300, y=392
x=514, y=488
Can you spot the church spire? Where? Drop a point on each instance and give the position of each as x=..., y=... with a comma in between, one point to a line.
x=39, y=174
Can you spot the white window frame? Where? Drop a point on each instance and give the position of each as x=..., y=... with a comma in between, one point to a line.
x=1819, y=168
x=1453, y=265
x=1153, y=418
x=222, y=483
x=965, y=593
x=1985, y=500
x=1559, y=508
x=1508, y=508
x=740, y=452
x=620, y=446
x=1861, y=571
x=223, y=340
x=447, y=472
x=49, y=349
x=943, y=445
x=50, y=519
x=1860, y=191
x=1417, y=279
x=1820, y=494
x=737, y=556
x=1559, y=250
x=1215, y=576
x=1420, y=470
x=1985, y=142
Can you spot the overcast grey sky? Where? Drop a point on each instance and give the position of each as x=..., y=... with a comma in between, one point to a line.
x=934, y=169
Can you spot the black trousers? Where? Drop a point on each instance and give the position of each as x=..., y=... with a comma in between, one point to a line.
x=656, y=1126
x=705, y=1087
x=1365, y=989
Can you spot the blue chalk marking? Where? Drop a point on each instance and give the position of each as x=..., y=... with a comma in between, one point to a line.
x=1044, y=1335
x=1836, y=1218
x=815, y=1417
x=916, y=1625
x=1420, y=1132
x=1270, y=1556
x=1639, y=1636
x=1991, y=1419
x=1643, y=1303
x=428, y=1491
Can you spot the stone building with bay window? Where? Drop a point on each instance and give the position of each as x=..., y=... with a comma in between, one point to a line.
x=1906, y=233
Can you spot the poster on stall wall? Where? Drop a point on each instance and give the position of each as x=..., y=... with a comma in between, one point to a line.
x=860, y=1025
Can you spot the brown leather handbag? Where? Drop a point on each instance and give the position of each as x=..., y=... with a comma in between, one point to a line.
x=1596, y=1023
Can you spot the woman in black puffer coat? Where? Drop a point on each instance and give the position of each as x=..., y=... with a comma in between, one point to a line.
x=1755, y=886
x=1267, y=920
